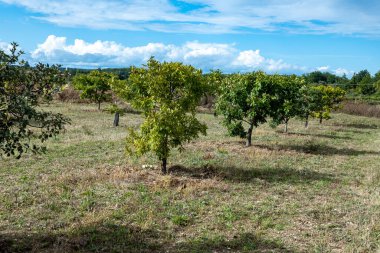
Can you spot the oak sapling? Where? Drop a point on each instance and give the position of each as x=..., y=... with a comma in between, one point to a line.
x=95, y=86
x=287, y=104
x=245, y=99
x=323, y=100
x=167, y=94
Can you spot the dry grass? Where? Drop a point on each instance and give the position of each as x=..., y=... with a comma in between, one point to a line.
x=312, y=190
x=361, y=109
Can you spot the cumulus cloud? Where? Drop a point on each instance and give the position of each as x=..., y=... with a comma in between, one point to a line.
x=212, y=16
x=323, y=68
x=111, y=54
x=4, y=46
x=338, y=71
x=249, y=58
x=342, y=71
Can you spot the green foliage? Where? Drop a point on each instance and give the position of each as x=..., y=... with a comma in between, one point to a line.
x=318, y=77
x=95, y=85
x=214, y=81
x=22, y=89
x=361, y=76
x=122, y=73
x=324, y=99
x=377, y=86
x=246, y=98
x=377, y=77
x=113, y=108
x=367, y=88
x=319, y=101
x=167, y=94
x=288, y=98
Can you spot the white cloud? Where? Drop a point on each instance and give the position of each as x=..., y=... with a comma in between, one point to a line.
x=5, y=46
x=249, y=58
x=323, y=68
x=342, y=71
x=111, y=54
x=213, y=16
x=50, y=46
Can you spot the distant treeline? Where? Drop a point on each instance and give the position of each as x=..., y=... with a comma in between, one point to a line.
x=122, y=73
x=360, y=84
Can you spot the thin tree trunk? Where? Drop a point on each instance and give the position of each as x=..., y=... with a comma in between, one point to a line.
x=286, y=125
x=307, y=121
x=99, y=105
x=163, y=166
x=116, y=119
x=249, y=136
x=320, y=120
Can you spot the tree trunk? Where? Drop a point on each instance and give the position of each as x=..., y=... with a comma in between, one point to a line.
x=163, y=166
x=116, y=119
x=99, y=105
x=249, y=136
x=320, y=120
x=307, y=121
x=286, y=125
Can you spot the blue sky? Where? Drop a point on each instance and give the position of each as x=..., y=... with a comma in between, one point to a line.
x=284, y=36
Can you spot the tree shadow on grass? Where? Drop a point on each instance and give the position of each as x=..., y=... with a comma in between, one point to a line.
x=318, y=135
x=235, y=174
x=116, y=238
x=356, y=125
x=93, y=238
x=245, y=242
x=352, y=131
x=318, y=149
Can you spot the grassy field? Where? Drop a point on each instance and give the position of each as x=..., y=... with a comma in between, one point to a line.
x=311, y=190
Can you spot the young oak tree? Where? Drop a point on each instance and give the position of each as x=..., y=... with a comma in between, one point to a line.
x=95, y=85
x=307, y=100
x=22, y=89
x=329, y=99
x=167, y=94
x=245, y=99
x=288, y=99
x=213, y=81
x=319, y=101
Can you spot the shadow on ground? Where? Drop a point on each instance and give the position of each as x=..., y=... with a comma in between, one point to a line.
x=235, y=174
x=102, y=237
x=318, y=135
x=318, y=149
x=356, y=125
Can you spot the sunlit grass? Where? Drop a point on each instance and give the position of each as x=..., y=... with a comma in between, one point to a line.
x=312, y=190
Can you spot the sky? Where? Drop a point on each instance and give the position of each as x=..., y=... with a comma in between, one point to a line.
x=277, y=36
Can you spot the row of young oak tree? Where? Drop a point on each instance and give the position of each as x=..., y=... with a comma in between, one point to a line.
x=167, y=94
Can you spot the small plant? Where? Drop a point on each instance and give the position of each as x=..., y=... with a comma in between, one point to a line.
x=95, y=86
x=88, y=201
x=180, y=220
x=167, y=94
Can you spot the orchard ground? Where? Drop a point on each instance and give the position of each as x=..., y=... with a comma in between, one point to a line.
x=311, y=190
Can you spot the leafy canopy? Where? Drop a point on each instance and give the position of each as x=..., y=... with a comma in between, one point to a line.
x=323, y=99
x=287, y=103
x=167, y=93
x=22, y=89
x=95, y=85
x=245, y=99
